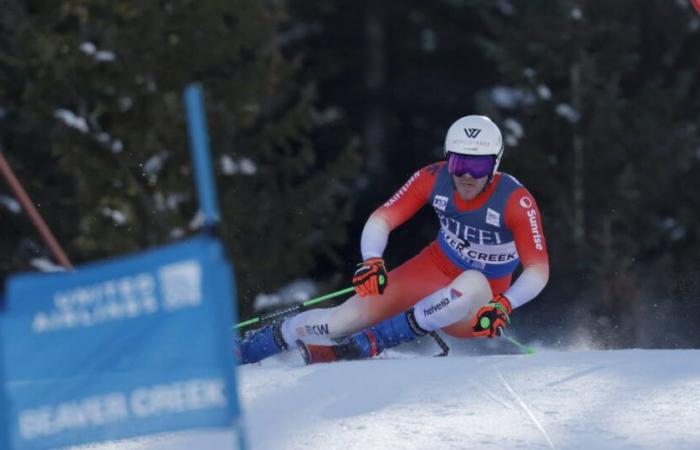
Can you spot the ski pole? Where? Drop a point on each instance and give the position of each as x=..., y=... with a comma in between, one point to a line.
x=441, y=343
x=294, y=308
x=524, y=348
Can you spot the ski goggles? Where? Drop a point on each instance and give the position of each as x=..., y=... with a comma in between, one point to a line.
x=476, y=166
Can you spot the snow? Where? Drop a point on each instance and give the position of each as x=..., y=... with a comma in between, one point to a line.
x=506, y=7
x=544, y=92
x=10, y=204
x=116, y=215
x=197, y=221
x=90, y=48
x=46, y=265
x=117, y=146
x=170, y=202
x=105, y=56
x=71, y=120
x=298, y=291
x=568, y=112
x=509, y=98
x=514, y=131
x=642, y=399
x=125, y=104
x=155, y=163
x=230, y=166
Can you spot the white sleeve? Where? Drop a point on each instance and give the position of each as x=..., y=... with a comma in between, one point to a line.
x=528, y=285
x=375, y=236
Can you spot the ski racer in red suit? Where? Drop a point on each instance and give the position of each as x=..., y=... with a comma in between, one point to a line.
x=460, y=283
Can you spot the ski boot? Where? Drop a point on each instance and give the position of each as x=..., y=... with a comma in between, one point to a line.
x=367, y=343
x=262, y=343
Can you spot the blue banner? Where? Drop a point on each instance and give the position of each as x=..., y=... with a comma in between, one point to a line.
x=123, y=348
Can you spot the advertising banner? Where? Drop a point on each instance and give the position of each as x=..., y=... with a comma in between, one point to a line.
x=117, y=349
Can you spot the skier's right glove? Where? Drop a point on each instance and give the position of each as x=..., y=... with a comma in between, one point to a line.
x=370, y=277
x=493, y=317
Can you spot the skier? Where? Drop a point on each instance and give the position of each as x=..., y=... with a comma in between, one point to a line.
x=460, y=283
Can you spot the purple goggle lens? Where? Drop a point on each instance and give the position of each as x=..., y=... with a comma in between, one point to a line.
x=476, y=166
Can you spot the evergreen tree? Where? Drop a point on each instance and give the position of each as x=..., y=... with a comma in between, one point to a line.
x=393, y=75
x=95, y=126
x=600, y=99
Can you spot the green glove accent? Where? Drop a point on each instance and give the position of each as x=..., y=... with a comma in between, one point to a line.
x=485, y=323
x=382, y=280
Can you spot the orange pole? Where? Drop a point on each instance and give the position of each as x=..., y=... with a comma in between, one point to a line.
x=33, y=214
x=696, y=4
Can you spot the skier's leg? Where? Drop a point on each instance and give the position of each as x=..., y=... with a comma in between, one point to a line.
x=408, y=283
x=463, y=328
x=366, y=343
x=456, y=302
x=263, y=343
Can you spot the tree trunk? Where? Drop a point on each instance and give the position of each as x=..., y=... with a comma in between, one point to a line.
x=375, y=77
x=579, y=226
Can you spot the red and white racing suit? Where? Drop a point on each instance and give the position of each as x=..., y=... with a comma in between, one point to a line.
x=492, y=234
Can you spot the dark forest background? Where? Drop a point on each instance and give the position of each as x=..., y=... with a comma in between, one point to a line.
x=319, y=110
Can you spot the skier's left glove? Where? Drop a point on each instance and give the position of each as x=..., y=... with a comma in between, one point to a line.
x=492, y=317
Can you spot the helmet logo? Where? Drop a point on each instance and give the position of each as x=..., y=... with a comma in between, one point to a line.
x=472, y=132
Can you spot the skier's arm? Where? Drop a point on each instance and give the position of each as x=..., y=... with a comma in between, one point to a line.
x=523, y=218
x=375, y=236
x=397, y=210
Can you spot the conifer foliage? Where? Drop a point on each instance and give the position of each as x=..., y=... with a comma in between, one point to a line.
x=605, y=99
x=93, y=122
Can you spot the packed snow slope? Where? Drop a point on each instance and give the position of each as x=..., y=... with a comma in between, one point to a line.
x=636, y=399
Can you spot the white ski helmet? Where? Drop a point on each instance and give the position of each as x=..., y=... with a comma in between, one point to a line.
x=475, y=135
